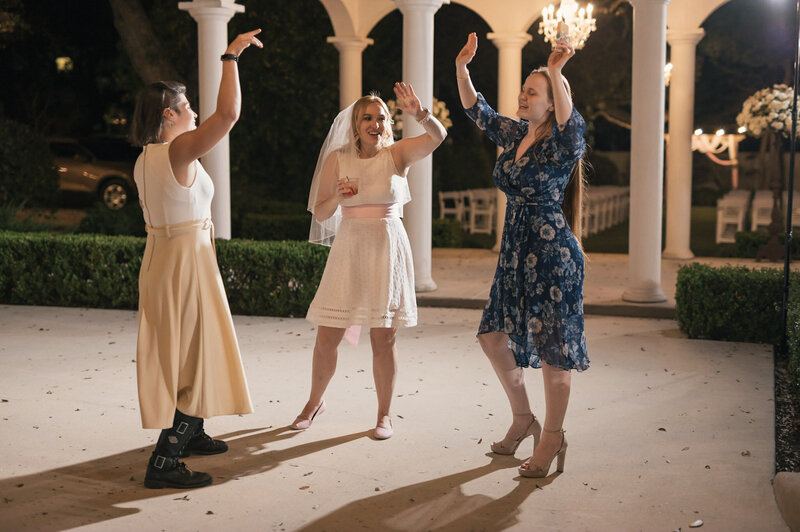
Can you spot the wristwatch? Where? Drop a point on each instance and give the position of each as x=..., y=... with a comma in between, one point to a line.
x=229, y=57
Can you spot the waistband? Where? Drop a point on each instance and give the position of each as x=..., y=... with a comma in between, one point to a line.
x=540, y=202
x=383, y=210
x=183, y=227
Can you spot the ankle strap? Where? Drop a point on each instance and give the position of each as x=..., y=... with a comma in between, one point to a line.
x=562, y=431
x=526, y=414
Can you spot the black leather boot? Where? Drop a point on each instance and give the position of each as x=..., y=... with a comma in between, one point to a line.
x=164, y=470
x=202, y=443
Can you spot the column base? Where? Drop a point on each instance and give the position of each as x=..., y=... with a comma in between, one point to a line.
x=424, y=285
x=644, y=292
x=678, y=254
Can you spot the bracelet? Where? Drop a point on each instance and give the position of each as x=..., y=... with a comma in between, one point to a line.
x=426, y=118
x=462, y=77
x=229, y=57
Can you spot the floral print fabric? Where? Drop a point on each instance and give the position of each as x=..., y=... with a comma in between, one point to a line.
x=537, y=292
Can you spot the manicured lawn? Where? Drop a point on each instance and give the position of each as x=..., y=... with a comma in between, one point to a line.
x=703, y=232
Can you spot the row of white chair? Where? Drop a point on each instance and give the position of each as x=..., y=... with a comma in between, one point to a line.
x=732, y=210
x=604, y=207
x=476, y=209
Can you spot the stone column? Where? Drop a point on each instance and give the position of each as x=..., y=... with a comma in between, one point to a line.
x=683, y=44
x=350, y=49
x=212, y=18
x=509, y=81
x=647, y=151
x=418, y=70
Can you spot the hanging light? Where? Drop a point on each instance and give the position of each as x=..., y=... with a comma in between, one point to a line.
x=579, y=23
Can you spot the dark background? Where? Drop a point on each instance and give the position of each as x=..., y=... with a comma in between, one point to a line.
x=290, y=88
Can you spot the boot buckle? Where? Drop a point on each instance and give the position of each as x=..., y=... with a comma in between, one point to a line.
x=182, y=427
x=159, y=463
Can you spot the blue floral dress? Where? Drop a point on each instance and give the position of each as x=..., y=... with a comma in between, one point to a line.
x=537, y=292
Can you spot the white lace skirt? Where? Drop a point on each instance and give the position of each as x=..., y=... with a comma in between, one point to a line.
x=369, y=277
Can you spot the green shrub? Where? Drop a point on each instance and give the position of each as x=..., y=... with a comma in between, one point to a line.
x=261, y=278
x=793, y=328
x=10, y=220
x=101, y=220
x=446, y=233
x=27, y=172
x=729, y=303
x=748, y=242
x=276, y=226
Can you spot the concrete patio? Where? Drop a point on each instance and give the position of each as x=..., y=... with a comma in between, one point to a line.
x=663, y=430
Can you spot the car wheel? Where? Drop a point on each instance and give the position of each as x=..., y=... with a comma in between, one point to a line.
x=114, y=194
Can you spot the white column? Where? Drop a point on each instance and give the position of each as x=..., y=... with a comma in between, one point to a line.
x=212, y=18
x=683, y=46
x=418, y=70
x=509, y=81
x=350, y=49
x=647, y=151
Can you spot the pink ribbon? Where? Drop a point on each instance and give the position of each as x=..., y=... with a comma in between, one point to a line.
x=352, y=333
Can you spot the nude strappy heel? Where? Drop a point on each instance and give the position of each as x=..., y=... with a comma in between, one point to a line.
x=532, y=470
x=509, y=446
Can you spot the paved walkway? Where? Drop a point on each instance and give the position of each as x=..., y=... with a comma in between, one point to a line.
x=464, y=277
x=663, y=431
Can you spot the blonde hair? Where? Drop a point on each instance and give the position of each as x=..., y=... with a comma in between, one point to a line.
x=387, y=137
x=573, y=195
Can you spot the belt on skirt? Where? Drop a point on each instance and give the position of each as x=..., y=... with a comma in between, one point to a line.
x=184, y=227
x=381, y=210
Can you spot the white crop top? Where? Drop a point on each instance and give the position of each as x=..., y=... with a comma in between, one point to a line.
x=378, y=179
x=165, y=201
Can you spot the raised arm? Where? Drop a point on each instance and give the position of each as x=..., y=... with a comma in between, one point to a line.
x=193, y=144
x=465, y=88
x=562, y=100
x=408, y=151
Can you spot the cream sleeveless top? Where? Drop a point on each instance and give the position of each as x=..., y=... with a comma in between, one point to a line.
x=165, y=201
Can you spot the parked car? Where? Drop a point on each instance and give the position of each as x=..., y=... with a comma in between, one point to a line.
x=81, y=171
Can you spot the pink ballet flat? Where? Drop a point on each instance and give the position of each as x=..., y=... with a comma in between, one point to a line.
x=301, y=423
x=383, y=432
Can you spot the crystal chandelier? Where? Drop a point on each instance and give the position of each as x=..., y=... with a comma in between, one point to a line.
x=579, y=23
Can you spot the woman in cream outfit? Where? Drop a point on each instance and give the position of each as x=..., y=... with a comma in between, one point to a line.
x=187, y=356
x=357, y=195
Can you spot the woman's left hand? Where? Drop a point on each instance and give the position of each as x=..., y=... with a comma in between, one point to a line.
x=562, y=53
x=407, y=100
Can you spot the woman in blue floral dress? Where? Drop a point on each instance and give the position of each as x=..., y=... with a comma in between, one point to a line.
x=534, y=316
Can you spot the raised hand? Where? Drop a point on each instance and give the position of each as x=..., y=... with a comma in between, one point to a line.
x=468, y=51
x=407, y=100
x=243, y=41
x=562, y=52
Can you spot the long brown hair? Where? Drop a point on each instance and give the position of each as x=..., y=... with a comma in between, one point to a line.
x=148, y=117
x=358, y=110
x=573, y=195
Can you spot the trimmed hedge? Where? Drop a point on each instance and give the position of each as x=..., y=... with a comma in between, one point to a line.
x=793, y=328
x=276, y=226
x=748, y=242
x=729, y=303
x=261, y=278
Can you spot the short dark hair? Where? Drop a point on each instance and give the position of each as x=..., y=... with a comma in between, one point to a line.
x=148, y=117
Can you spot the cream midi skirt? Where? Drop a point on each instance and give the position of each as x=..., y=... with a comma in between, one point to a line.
x=187, y=355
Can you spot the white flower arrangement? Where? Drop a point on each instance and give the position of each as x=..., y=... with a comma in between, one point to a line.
x=769, y=108
x=439, y=110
